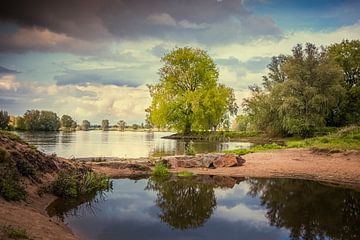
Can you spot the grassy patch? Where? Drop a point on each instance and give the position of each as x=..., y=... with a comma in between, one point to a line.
x=258, y=148
x=184, y=174
x=160, y=170
x=217, y=136
x=75, y=183
x=16, y=233
x=347, y=138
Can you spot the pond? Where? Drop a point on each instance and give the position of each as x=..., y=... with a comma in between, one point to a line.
x=118, y=144
x=213, y=207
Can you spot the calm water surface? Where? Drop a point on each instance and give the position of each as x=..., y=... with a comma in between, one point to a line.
x=118, y=144
x=214, y=208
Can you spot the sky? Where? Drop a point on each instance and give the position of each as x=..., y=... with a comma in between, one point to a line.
x=93, y=59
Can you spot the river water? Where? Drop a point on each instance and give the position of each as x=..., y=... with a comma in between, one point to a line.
x=211, y=207
x=118, y=144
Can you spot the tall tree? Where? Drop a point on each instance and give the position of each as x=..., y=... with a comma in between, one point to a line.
x=4, y=119
x=300, y=92
x=347, y=55
x=36, y=120
x=188, y=95
x=105, y=125
x=85, y=125
x=121, y=125
x=67, y=122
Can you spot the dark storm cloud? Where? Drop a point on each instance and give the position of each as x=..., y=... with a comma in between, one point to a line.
x=208, y=22
x=101, y=77
x=4, y=70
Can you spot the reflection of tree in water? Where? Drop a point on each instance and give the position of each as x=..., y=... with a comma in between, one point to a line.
x=184, y=203
x=63, y=208
x=309, y=210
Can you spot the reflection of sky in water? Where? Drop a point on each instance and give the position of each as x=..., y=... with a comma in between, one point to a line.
x=118, y=144
x=129, y=212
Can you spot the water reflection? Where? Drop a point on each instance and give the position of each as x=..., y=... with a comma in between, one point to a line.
x=184, y=203
x=213, y=207
x=309, y=210
x=118, y=144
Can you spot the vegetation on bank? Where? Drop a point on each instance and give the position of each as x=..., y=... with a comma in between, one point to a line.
x=16, y=232
x=308, y=90
x=74, y=183
x=347, y=138
x=189, y=96
x=160, y=170
x=19, y=161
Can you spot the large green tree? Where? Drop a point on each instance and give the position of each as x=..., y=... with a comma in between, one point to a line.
x=67, y=122
x=347, y=56
x=188, y=96
x=36, y=120
x=300, y=91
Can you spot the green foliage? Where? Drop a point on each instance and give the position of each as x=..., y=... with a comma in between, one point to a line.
x=242, y=123
x=160, y=170
x=67, y=122
x=188, y=96
x=36, y=120
x=15, y=232
x=74, y=183
x=300, y=92
x=11, y=188
x=4, y=155
x=347, y=55
x=184, y=174
x=189, y=149
x=258, y=148
x=25, y=168
x=347, y=138
x=4, y=119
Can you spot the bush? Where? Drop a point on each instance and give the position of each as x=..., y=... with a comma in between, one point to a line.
x=74, y=183
x=11, y=189
x=16, y=233
x=160, y=170
x=4, y=155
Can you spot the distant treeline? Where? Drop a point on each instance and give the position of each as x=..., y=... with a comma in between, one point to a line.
x=309, y=90
x=40, y=120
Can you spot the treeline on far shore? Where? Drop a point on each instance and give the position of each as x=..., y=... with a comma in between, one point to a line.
x=41, y=120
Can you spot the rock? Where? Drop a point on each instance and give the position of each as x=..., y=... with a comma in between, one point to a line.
x=226, y=160
x=240, y=160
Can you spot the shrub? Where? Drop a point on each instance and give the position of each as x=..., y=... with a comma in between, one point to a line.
x=160, y=170
x=4, y=155
x=11, y=189
x=74, y=183
x=16, y=233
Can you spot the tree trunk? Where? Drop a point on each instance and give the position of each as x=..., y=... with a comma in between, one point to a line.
x=187, y=129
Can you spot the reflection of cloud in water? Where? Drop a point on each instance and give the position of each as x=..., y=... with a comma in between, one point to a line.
x=241, y=213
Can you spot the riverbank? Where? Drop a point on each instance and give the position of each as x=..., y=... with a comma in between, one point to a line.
x=333, y=167
x=29, y=215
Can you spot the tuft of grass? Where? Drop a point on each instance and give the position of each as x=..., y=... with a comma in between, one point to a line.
x=258, y=148
x=11, y=189
x=75, y=183
x=16, y=233
x=184, y=174
x=4, y=155
x=160, y=170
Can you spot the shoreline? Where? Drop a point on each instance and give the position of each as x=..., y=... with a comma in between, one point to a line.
x=341, y=168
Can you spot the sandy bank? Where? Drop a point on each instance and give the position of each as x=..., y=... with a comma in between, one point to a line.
x=338, y=168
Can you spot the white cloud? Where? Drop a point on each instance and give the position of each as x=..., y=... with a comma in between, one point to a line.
x=8, y=82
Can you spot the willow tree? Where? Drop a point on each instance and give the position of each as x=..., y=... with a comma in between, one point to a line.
x=188, y=96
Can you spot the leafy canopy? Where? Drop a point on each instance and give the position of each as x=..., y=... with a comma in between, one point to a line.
x=188, y=96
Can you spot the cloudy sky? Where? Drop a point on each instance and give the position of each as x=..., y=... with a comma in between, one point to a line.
x=92, y=59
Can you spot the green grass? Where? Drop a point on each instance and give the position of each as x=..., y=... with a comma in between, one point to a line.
x=258, y=148
x=184, y=174
x=347, y=138
x=16, y=233
x=160, y=170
